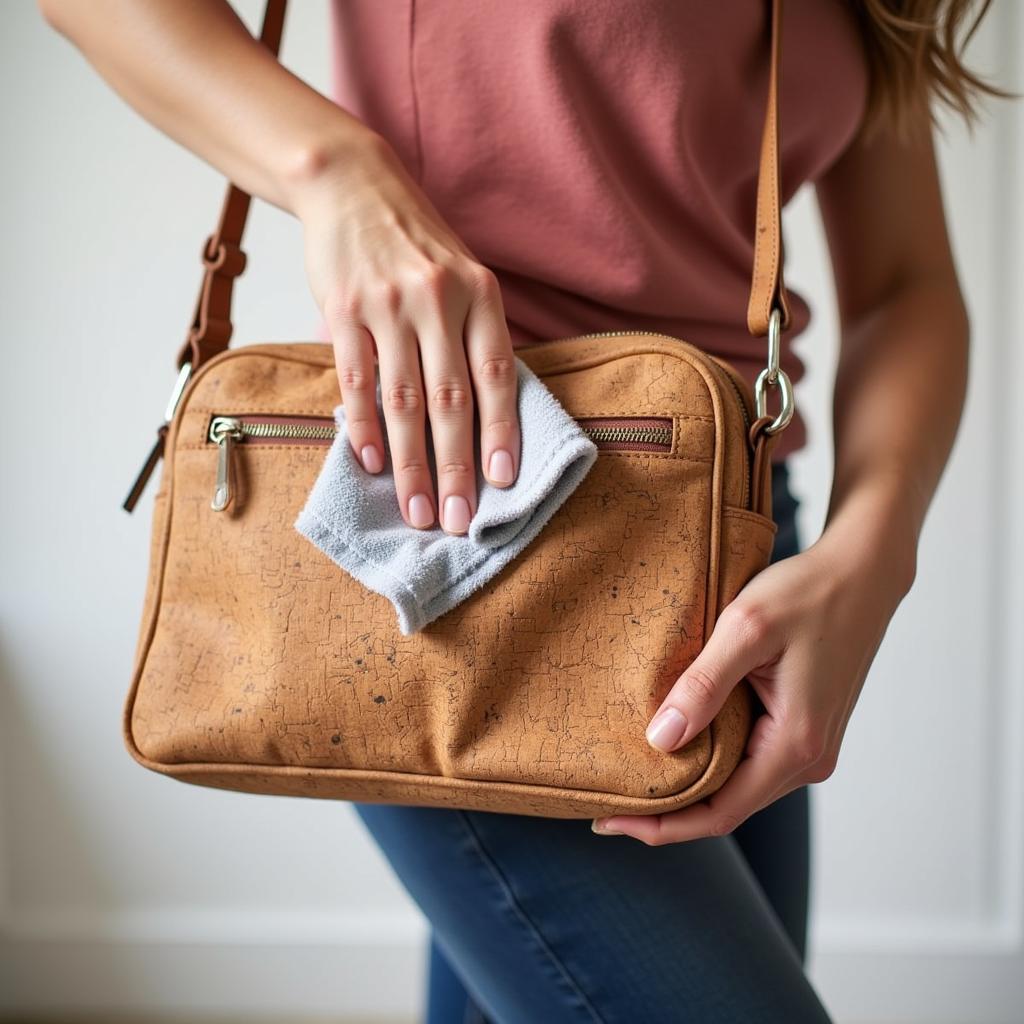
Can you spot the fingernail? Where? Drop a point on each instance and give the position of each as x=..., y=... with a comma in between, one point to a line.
x=456, y=514
x=421, y=511
x=666, y=729
x=371, y=459
x=598, y=826
x=500, y=467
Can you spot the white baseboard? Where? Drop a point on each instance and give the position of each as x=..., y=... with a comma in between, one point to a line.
x=236, y=964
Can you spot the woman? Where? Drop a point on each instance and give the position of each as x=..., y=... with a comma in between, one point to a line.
x=601, y=161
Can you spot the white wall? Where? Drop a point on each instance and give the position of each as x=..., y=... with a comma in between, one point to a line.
x=120, y=886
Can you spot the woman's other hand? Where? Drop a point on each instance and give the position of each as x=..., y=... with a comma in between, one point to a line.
x=804, y=631
x=400, y=293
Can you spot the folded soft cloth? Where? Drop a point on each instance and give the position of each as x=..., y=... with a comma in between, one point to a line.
x=354, y=518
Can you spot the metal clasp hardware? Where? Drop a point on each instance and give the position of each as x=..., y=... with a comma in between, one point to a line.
x=177, y=391
x=156, y=452
x=775, y=376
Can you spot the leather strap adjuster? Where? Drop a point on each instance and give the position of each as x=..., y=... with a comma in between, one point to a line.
x=225, y=259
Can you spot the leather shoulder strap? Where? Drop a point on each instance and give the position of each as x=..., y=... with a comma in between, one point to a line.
x=767, y=289
x=223, y=259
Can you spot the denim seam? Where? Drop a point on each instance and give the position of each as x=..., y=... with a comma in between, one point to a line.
x=506, y=887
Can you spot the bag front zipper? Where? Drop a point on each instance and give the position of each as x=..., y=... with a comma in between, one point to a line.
x=718, y=370
x=609, y=433
x=715, y=368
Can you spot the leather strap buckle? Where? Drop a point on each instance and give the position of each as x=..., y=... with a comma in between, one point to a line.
x=223, y=258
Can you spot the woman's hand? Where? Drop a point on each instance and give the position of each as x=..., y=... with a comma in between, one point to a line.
x=804, y=632
x=398, y=289
x=392, y=280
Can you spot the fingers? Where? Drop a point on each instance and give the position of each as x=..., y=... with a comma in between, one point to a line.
x=357, y=378
x=402, y=398
x=771, y=771
x=495, y=381
x=739, y=643
x=777, y=763
x=449, y=397
x=442, y=348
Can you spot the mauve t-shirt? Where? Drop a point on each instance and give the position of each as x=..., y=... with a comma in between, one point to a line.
x=601, y=156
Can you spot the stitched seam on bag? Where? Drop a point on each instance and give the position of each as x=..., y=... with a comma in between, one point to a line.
x=576, y=362
x=753, y=517
x=283, y=351
x=146, y=645
x=634, y=415
x=506, y=886
x=262, y=410
x=527, y=791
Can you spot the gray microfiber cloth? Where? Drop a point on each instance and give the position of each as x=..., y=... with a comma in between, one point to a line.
x=353, y=516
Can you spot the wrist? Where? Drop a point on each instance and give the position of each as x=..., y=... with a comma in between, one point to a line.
x=871, y=533
x=324, y=168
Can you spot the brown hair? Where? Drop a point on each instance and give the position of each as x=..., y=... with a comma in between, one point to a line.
x=914, y=55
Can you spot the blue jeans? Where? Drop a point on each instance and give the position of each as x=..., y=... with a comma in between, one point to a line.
x=538, y=920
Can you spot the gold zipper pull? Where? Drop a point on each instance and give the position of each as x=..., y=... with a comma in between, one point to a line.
x=224, y=430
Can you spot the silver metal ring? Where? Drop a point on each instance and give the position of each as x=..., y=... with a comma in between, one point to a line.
x=774, y=344
x=761, y=401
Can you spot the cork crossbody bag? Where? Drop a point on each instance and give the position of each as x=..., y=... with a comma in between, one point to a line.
x=263, y=667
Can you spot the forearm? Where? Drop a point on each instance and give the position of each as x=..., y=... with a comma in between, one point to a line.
x=195, y=72
x=899, y=395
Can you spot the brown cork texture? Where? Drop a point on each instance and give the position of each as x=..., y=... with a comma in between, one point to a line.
x=263, y=667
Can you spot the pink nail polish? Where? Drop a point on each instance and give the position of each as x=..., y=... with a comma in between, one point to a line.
x=456, y=514
x=371, y=459
x=666, y=729
x=421, y=511
x=500, y=467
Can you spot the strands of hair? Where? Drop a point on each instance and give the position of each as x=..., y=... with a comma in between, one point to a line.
x=915, y=53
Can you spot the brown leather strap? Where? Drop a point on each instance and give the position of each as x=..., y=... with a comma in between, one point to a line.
x=222, y=256
x=223, y=259
x=767, y=289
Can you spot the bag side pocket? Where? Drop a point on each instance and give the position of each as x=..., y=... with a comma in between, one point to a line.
x=746, y=549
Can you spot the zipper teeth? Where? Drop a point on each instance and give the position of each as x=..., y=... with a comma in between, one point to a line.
x=612, y=334
x=647, y=435
x=303, y=430
x=313, y=431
